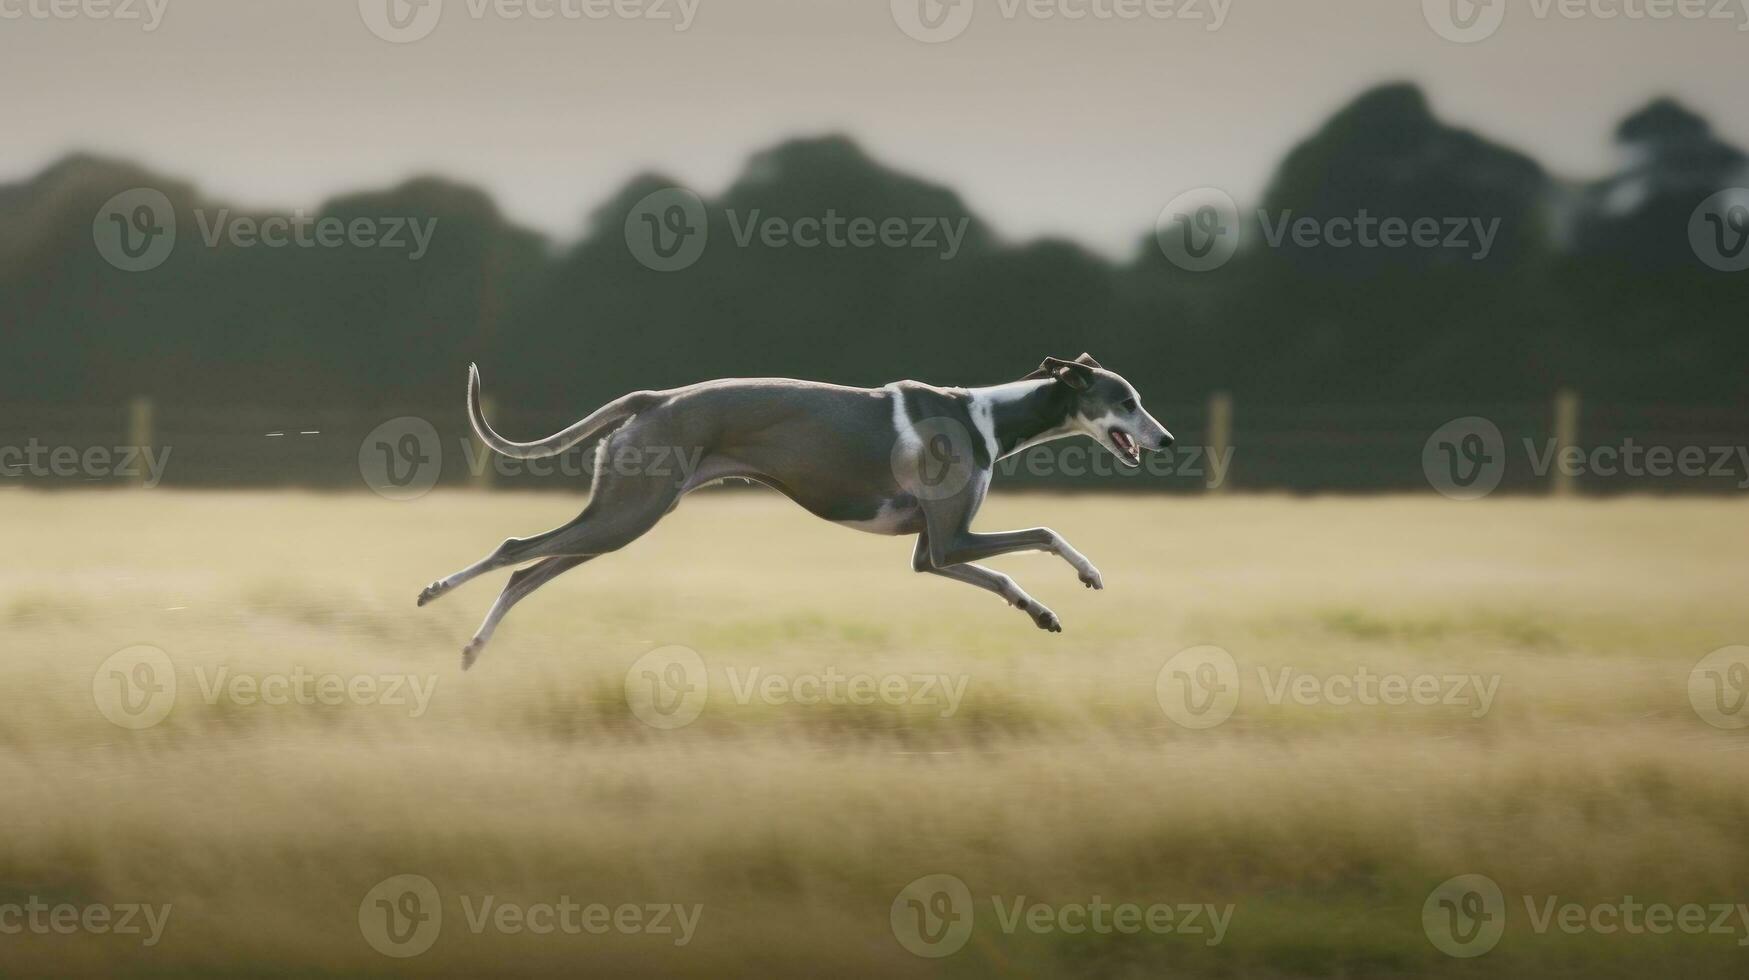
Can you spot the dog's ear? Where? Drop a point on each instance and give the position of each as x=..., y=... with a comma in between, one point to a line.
x=1076, y=374
x=1088, y=360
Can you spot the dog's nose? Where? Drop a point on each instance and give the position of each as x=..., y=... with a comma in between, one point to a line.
x=1166, y=441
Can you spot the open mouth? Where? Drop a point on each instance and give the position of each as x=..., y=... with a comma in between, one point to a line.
x=1126, y=447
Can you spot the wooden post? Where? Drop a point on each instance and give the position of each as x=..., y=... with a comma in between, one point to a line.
x=1566, y=435
x=1220, y=433
x=140, y=434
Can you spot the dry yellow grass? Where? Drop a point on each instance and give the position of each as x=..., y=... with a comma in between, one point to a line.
x=1059, y=777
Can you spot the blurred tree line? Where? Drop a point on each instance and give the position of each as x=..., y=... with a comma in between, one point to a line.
x=1592, y=285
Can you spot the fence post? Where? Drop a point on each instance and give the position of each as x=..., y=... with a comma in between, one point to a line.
x=140, y=434
x=1566, y=435
x=1220, y=432
x=488, y=459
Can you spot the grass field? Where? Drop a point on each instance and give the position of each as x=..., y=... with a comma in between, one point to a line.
x=1054, y=778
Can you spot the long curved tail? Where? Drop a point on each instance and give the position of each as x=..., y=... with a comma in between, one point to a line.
x=553, y=445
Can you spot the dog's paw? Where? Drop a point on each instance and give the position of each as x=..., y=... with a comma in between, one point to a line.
x=471, y=653
x=431, y=592
x=1091, y=578
x=1045, y=619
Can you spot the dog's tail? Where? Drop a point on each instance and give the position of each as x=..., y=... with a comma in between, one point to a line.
x=553, y=445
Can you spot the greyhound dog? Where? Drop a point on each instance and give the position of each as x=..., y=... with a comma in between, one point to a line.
x=907, y=458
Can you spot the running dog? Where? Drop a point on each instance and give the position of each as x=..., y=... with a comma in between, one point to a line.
x=908, y=458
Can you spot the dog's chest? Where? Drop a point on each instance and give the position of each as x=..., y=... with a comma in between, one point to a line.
x=894, y=516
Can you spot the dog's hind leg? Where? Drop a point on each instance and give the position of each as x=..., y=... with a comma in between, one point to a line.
x=521, y=584
x=514, y=551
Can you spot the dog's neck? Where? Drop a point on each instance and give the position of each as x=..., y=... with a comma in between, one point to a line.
x=1025, y=413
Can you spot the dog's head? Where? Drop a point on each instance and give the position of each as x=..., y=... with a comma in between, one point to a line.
x=1106, y=408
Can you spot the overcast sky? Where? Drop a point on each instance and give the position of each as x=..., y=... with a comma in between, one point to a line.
x=1082, y=127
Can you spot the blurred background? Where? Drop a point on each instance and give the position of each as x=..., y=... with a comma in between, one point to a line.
x=502, y=159
x=1361, y=257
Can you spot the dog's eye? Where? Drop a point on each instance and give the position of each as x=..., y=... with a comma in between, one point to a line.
x=1129, y=404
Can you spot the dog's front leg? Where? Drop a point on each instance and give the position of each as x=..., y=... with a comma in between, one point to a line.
x=988, y=580
x=969, y=546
